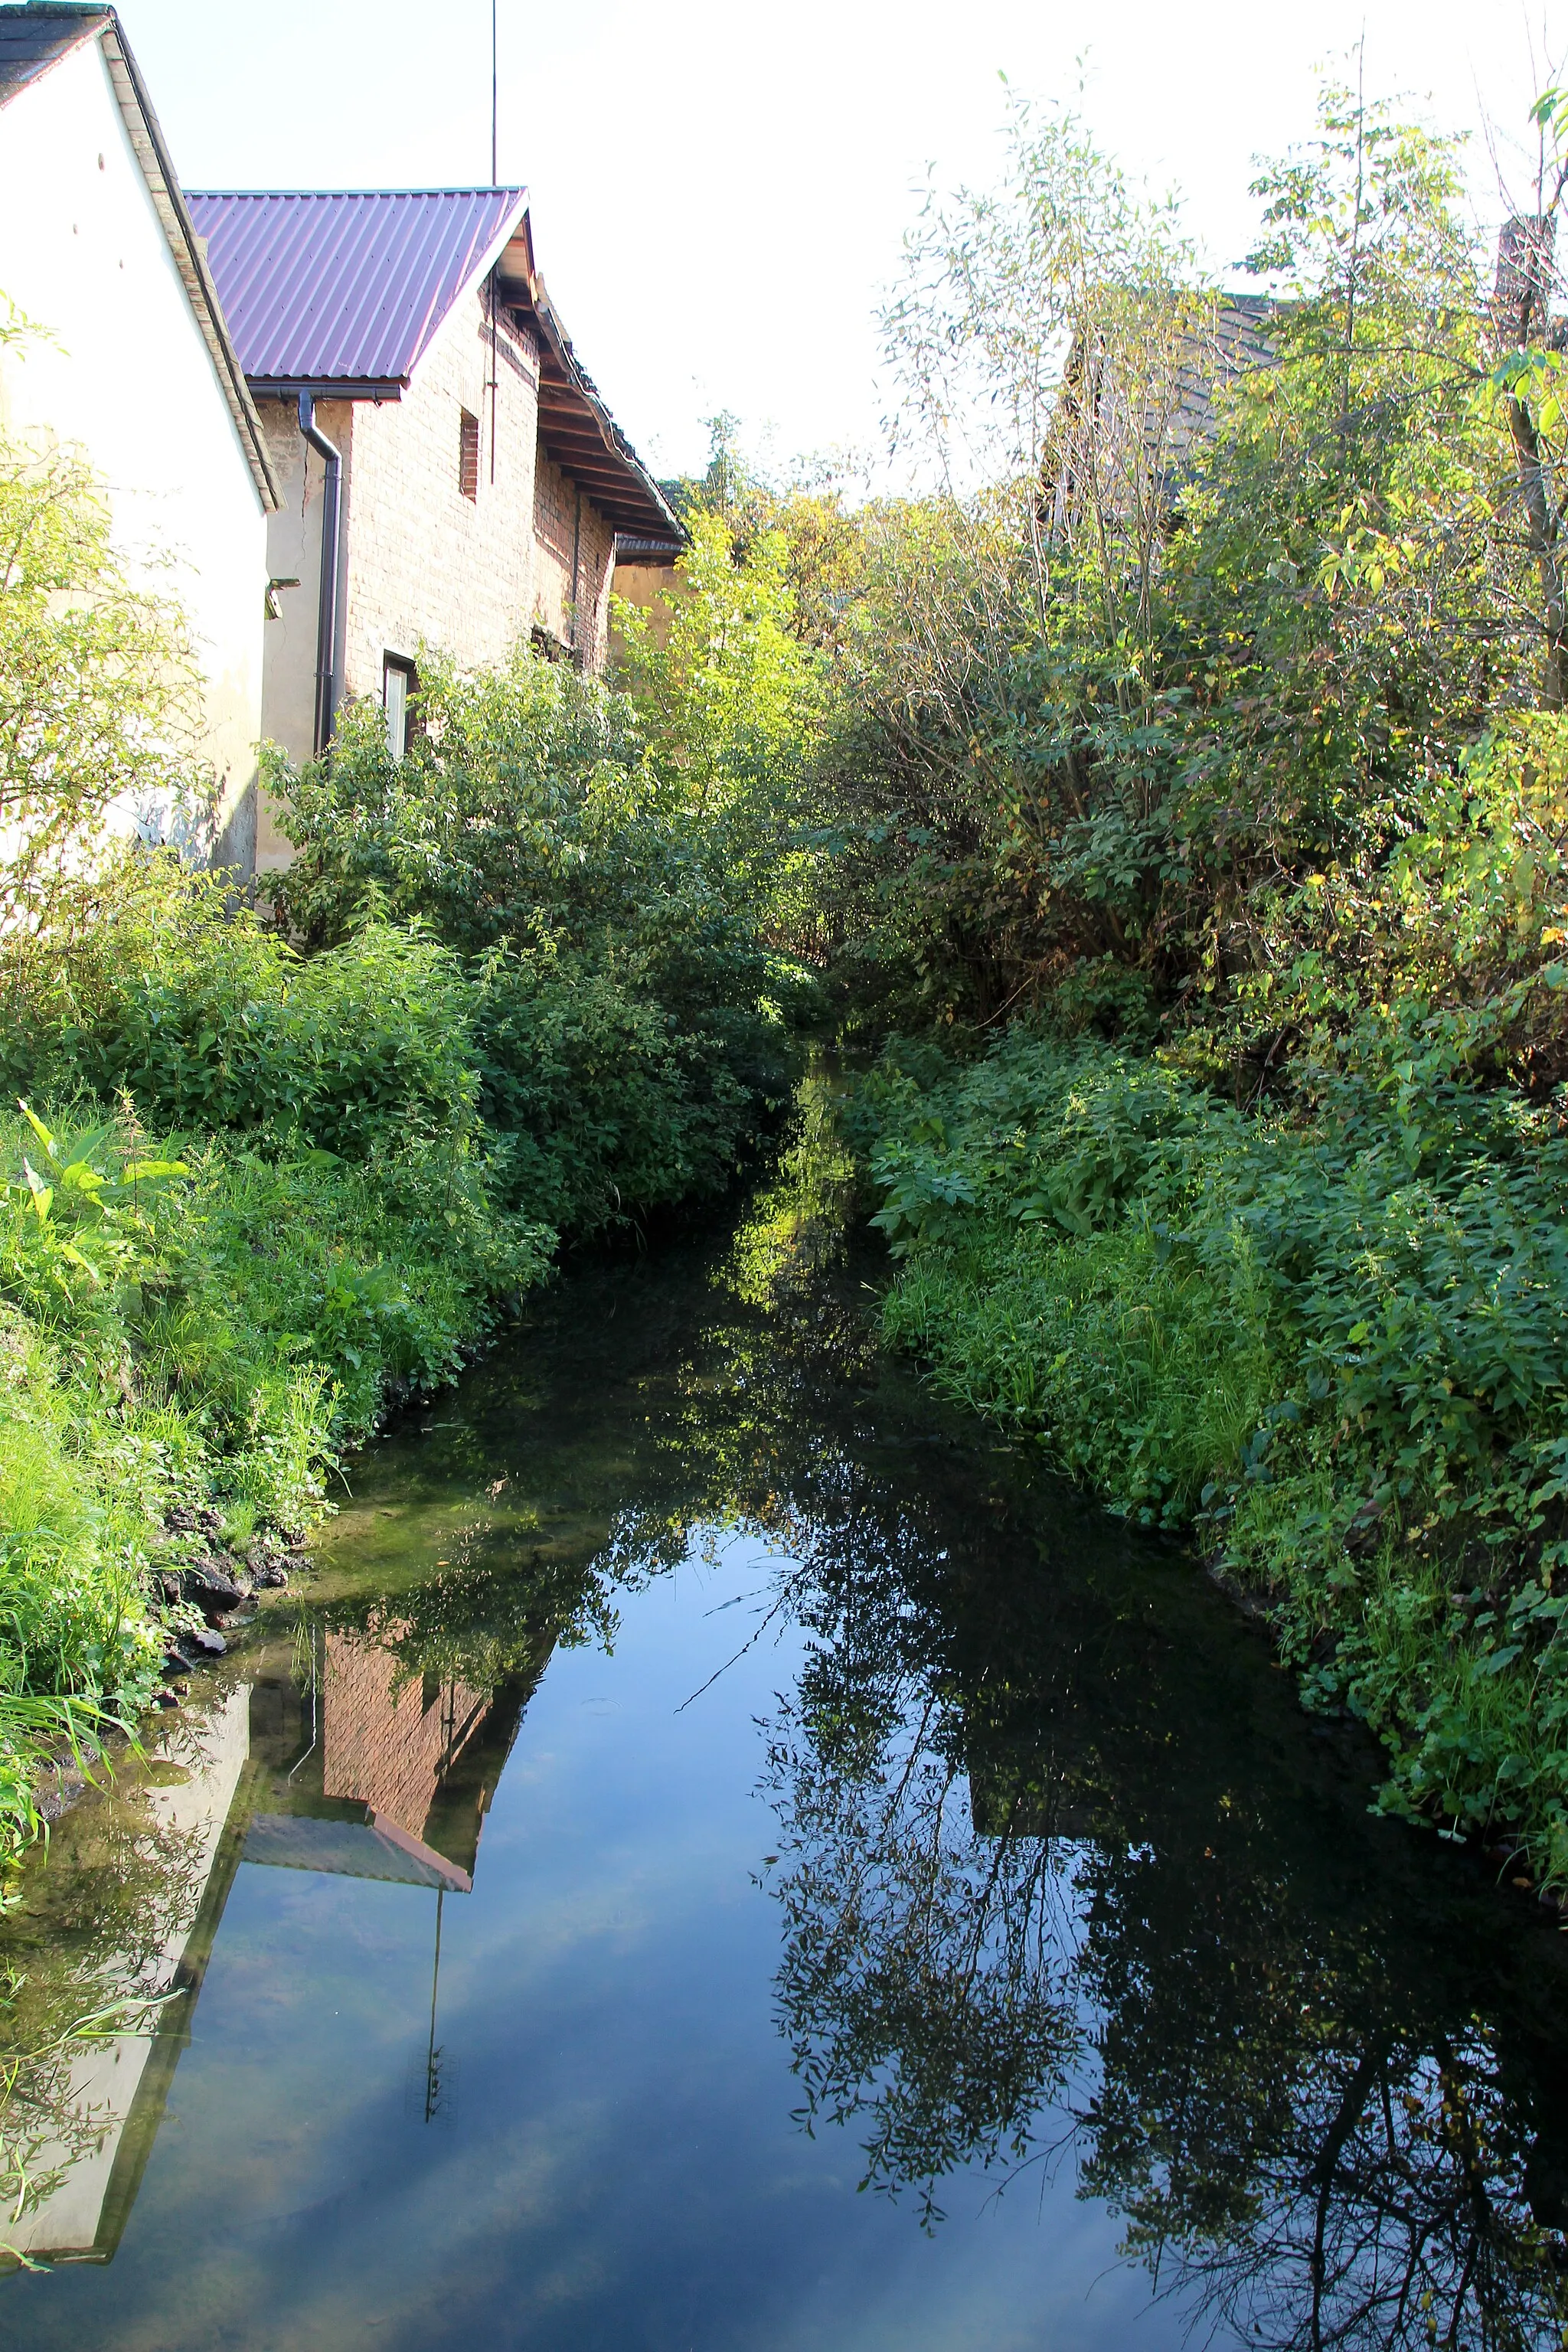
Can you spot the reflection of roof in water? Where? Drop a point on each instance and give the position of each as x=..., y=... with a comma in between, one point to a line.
x=349, y=1849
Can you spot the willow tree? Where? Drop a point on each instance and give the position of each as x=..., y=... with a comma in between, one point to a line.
x=1052, y=343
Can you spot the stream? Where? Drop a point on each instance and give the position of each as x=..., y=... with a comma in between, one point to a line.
x=725, y=1854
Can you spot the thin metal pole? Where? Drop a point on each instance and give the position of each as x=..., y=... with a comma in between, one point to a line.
x=432, y=2084
x=495, y=183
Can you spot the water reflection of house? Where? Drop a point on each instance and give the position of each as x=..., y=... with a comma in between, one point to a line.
x=375, y=1773
x=335, y=1761
x=117, y=2088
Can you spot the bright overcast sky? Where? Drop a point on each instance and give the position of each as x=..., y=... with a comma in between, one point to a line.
x=720, y=190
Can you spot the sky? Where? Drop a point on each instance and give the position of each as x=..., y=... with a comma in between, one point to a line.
x=720, y=191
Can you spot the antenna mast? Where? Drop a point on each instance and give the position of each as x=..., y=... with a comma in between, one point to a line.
x=493, y=385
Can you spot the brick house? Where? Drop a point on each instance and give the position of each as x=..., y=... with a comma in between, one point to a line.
x=450, y=474
x=135, y=368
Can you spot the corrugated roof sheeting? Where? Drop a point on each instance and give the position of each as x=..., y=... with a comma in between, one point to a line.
x=345, y=286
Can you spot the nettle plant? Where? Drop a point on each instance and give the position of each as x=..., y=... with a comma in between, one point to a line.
x=80, y=1211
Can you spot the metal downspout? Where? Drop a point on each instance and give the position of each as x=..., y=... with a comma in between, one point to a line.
x=327, y=611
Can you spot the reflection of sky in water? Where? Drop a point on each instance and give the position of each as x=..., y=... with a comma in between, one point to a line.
x=620, y=2168
x=1260, y=1973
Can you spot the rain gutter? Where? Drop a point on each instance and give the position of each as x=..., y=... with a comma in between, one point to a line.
x=327, y=611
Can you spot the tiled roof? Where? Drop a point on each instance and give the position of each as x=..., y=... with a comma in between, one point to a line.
x=346, y=287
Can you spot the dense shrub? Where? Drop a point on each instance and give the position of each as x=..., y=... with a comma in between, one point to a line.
x=159, y=989
x=629, y=1020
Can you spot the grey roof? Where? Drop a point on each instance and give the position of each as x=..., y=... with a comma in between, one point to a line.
x=33, y=37
x=348, y=1850
x=1233, y=339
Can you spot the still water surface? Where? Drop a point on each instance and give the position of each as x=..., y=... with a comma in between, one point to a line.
x=722, y=1855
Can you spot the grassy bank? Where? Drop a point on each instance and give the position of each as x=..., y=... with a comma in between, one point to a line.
x=196, y=1319
x=1330, y=1341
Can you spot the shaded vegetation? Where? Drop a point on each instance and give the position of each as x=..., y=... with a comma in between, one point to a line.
x=1198, y=765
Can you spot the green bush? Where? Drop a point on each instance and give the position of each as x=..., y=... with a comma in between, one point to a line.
x=163, y=990
x=628, y=1022
x=608, y=1104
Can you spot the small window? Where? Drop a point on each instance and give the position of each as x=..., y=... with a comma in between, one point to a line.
x=467, y=453
x=398, y=682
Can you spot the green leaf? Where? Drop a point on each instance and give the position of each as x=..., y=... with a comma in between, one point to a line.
x=43, y=1194
x=37, y=1124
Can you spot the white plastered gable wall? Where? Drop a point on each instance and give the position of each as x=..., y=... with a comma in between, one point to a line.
x=127, y=379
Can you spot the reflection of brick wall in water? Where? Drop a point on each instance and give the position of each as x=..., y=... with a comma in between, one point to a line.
x=388, y=1746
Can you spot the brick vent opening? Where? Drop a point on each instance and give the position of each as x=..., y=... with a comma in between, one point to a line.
x=467, y=453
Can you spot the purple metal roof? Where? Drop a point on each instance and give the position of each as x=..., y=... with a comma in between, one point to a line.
x=345, y=286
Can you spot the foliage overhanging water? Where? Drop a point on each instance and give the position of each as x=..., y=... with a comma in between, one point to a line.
x=702, y=1778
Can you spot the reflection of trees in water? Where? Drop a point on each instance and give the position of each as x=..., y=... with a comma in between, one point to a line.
x=479, y=1623
x=1054, y=1865
x=1333, y=2152
x=1388, y=2204
x=925, y=1987
x=1313, y=2130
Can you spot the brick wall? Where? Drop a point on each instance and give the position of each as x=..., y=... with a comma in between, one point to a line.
x=557, y=536
x=385, y=1746
x=424, y=561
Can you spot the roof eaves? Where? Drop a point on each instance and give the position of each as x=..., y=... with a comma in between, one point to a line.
x=190, y=257
x=329, y=387
x=618, y=451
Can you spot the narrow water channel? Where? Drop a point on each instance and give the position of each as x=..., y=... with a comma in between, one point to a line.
x=725, y=1856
